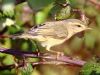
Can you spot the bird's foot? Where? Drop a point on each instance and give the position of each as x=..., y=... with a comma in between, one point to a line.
x=58, y=54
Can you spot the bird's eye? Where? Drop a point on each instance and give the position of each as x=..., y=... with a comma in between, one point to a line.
x=78, y=25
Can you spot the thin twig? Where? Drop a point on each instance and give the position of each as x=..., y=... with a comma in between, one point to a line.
x=47, y=56
x=19, y=53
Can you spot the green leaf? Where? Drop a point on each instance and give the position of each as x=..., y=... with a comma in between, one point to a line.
x=88, y=68
x=63, y=12
x=92, y=67
x=6, y=42
x=8, y=7
x=27, y=69
x=59, y=11
x=8, y=22
x=25, y=45
x=6, y=72
x=13, y=29
x=42, y=15
x=39, y=4
x=8, y=60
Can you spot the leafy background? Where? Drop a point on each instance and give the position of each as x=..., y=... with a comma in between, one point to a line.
x=18, y=18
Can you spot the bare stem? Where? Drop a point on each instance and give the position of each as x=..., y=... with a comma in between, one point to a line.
x=46, y=56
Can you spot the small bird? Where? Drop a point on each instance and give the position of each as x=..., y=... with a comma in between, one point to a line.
x=54, y=33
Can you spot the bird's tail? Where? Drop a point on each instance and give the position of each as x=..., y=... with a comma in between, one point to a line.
x=18, y=36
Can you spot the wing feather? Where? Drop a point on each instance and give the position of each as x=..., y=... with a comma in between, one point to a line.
x=52, y=29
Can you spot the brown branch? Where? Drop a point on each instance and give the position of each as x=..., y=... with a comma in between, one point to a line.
x=19, y=53
x=65, y=59
x=47, y=56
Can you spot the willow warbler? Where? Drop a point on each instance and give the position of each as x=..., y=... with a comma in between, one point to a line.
x=53, y=33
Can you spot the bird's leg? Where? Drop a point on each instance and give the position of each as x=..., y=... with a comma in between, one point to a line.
x=57, y=52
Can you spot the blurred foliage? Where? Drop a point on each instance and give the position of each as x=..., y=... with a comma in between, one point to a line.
x=38, y=4
x=26, y=70
x=92, y=67
x=15, y=19
x=8, y=60
x=61, y=10
x=7, y=72
x=43, y=14
x=8, y=7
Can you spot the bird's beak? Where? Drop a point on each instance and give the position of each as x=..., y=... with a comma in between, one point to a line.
x=88, y=28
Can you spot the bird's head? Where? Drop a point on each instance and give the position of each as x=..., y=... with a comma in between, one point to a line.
x=75, y=26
